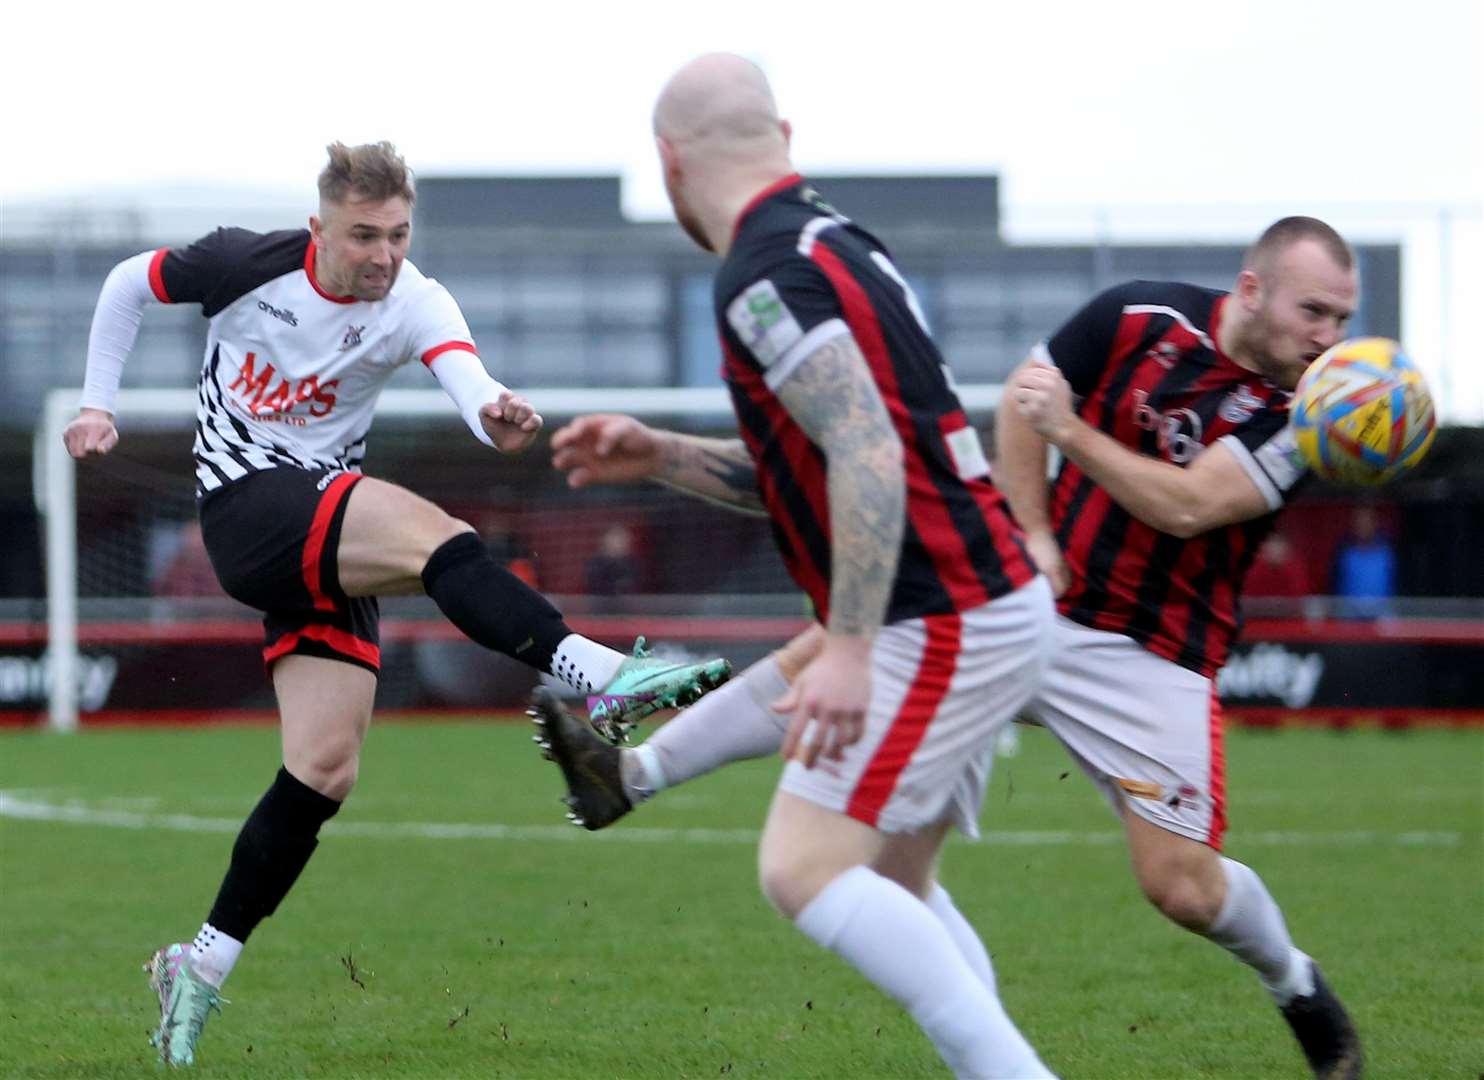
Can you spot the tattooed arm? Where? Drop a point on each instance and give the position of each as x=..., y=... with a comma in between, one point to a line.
x=720, y=470
x=607, y=448
x=832, y=397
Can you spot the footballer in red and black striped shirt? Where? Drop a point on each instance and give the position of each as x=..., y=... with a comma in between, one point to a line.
x=1169, y=405
x=937, y=626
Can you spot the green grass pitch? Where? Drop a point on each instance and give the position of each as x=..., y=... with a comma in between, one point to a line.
x=506, y=944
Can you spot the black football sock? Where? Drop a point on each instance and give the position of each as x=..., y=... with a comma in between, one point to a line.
x=274, y=845
x=491, y=605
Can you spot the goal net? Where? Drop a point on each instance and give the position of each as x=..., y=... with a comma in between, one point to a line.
x=137, y=624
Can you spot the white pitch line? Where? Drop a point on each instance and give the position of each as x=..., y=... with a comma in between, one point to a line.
x=79, y=813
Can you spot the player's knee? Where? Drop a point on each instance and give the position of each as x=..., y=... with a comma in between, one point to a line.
x=784, y=882
x=330, y=768
x=438, y=530
x=1181, y=895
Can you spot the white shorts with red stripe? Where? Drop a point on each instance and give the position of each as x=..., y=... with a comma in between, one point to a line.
x=1147, y=730
x=942, y=687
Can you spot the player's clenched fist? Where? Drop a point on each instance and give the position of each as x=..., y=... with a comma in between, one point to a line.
x=510, y=421
x=1043, y=398
x=92, y=434
x=606, y=448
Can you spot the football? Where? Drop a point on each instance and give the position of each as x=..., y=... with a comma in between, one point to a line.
x=1362, y=414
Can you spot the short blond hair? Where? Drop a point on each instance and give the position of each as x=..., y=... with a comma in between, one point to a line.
x=372, y=171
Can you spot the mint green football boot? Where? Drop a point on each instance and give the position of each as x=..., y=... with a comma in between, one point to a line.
x=646, y=684
x=186, y=1001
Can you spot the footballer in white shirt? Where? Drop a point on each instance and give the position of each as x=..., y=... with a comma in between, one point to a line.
x=306, y=326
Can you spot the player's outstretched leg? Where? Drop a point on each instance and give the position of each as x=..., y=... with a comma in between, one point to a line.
x=393, y=542
x=501, y=612
x=644, y=684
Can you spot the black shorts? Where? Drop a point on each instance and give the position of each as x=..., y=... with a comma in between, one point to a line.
x=272, y=537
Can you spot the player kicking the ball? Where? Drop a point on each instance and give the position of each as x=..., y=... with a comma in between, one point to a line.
x=306, y=326
x=1169, y=404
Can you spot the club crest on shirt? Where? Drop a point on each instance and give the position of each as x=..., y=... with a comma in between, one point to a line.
x=1239, y=405
x=352, y=338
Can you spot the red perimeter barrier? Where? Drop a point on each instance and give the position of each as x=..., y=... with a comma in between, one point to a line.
x=1393, y=674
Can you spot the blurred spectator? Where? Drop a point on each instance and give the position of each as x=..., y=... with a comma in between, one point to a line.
x=187, y=571
x=1365, y=568
x=613, y=570
x=508, y=550
x=1277, y=571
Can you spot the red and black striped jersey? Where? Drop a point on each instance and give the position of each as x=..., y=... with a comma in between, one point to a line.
x=1143, y=359
x=797, y=275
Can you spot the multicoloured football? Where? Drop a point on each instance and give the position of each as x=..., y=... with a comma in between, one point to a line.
x=1362, y=414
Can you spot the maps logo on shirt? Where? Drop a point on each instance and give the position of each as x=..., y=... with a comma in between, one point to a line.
x=352, y=338
x=764, y=323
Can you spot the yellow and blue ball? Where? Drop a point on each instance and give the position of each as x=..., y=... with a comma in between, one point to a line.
x=1362, y=414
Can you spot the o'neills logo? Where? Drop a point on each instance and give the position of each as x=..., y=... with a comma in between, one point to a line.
x=282, y=314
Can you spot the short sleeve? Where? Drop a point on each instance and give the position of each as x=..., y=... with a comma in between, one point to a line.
x=1266, y=449
x=191, y=275
x=436, y=325
x=1082, y=348
x=785, y=316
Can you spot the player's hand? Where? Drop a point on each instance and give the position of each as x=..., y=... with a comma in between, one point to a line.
x=1047, y=553
x=1044, y=399
x=91, y=434
x=827, y=703
x=510, y=421
x=606, y=448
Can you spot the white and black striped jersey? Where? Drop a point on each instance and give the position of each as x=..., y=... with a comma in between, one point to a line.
x=291, y=372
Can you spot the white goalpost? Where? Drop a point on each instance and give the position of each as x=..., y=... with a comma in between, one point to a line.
x=55, y=478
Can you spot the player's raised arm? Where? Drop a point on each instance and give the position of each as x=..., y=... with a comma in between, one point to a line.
x=1215, y=489
x=608, y=448
x=116, y=320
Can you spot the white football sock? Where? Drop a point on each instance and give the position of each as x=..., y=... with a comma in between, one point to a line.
x=896, y=942
x=970, y=947
x=1250, y=927
x=732, y=723
x=213, y=954
x=584, y=665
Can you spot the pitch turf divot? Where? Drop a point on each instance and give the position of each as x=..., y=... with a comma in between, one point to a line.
x=31, y=806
